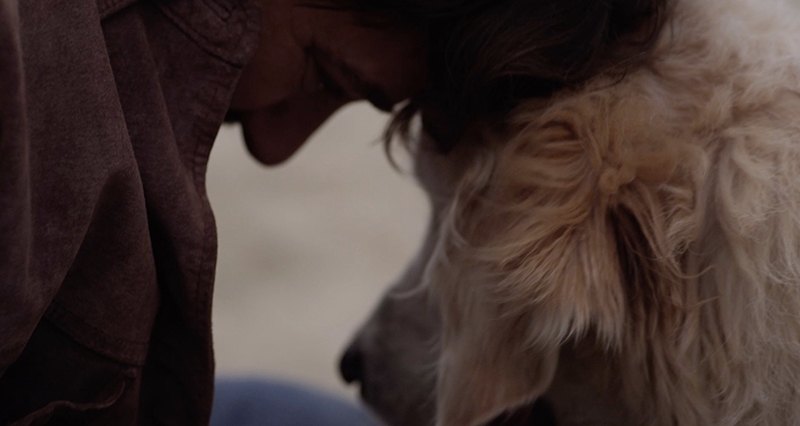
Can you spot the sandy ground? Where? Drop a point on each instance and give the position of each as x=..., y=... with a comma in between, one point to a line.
x=305, y=249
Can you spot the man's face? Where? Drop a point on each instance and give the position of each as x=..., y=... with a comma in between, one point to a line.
x=310, y=62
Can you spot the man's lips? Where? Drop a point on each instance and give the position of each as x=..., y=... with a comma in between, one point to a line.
x=274, y=133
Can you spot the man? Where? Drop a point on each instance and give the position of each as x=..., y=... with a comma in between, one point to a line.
x=108, y=110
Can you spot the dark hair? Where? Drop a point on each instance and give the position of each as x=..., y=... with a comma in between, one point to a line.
x=485, y=56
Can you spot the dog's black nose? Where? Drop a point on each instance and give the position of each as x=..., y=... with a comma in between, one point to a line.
x=352, y=365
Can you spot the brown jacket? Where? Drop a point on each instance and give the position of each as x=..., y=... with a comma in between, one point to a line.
x=108, y=110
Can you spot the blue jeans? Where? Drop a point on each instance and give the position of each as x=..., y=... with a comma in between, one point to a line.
x=250, y=402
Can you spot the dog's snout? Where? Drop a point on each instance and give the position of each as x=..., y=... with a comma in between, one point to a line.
x=352, y=364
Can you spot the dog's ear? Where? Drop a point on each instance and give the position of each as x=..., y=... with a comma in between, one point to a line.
x=524, y=263
x=529, y=259
x=506, y=313
x=482, y=375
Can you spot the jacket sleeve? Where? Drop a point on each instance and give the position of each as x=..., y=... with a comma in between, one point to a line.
x=22, y=300
x=64, y=157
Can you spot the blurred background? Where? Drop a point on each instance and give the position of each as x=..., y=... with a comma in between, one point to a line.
x=307, y=248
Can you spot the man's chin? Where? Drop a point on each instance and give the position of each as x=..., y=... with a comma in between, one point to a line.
x=232, y=117
x=269, y=140
x=274, y=133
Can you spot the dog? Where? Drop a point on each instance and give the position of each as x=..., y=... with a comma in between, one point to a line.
x=623, y=253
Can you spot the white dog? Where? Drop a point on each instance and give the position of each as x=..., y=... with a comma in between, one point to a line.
x=628, y=252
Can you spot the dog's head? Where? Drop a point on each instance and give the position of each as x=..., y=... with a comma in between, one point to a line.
x=402, y=354
x=534, y=241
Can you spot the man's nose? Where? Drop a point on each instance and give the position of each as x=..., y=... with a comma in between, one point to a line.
x=351, y=365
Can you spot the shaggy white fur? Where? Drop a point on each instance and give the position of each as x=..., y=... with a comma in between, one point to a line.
x=655, y=219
